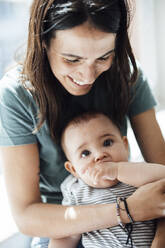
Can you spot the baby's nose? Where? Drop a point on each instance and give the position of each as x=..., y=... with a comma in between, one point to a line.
x=100, y=157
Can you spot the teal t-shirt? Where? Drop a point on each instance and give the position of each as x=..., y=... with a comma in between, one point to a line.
x=18, y=118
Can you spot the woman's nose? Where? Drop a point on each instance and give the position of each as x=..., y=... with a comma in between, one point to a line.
x=88, y=74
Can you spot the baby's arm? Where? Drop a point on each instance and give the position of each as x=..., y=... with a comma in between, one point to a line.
x=137, y=174
x=68, y=242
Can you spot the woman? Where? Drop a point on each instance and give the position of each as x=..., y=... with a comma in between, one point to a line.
x=78, y=54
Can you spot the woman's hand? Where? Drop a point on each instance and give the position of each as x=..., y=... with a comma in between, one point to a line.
x=148, y=201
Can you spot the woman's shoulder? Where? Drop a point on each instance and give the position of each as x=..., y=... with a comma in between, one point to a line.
x=12, y=79
x=12, y=76
x=142, y=96
x=11, y=86
x=142, y=79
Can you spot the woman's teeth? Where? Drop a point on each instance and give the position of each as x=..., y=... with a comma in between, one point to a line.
x=79, y=82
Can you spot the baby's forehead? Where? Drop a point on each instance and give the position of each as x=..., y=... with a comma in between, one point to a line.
x=68, y=139
x=74, y=126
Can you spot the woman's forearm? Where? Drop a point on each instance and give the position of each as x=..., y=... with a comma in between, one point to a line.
x=138, y=174
x=159, y=239
x=56, y=221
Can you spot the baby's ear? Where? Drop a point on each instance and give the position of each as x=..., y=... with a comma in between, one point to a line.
x=69, y=167
x=125, y=141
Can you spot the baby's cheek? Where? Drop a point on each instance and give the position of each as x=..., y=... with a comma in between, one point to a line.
x=123, y=155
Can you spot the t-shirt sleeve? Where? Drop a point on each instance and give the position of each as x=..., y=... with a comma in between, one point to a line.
x=143, y=98
x=16, y=119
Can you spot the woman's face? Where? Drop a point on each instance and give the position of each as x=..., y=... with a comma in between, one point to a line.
x=79, y=55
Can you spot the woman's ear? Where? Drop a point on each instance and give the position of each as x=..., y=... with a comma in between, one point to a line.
x=44, y=45
x=69, y=167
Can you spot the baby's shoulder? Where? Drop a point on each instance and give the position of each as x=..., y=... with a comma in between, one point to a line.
x=68, y=183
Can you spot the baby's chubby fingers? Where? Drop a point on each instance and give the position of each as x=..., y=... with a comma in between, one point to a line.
x=98, y=173
x=105, y=171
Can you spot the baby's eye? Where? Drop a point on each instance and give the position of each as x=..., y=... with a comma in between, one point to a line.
x=85, y=153
x=108, y=142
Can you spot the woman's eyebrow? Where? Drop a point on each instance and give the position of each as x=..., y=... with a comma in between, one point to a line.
x=79, y=57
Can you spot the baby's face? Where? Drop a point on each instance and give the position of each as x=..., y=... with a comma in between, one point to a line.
x=91, y=142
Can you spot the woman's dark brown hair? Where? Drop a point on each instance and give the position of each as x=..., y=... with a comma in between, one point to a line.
x=46, y=17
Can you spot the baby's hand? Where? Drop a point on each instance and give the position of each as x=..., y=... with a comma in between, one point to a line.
x=103, y=171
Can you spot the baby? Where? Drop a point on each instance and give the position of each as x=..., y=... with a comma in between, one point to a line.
x=97, y=156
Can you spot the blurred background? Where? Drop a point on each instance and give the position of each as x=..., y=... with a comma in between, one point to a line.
x=147, y=36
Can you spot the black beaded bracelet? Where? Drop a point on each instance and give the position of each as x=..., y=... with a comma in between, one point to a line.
x=118, y=213
x=129, y=226
x=127, y=210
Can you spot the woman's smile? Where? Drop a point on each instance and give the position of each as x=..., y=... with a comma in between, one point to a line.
x=80, y=83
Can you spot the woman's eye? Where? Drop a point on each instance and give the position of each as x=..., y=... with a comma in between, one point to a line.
x=103, y=59
x=72, y=60
x=108, y=142
x=108, y=57
x=85, y=153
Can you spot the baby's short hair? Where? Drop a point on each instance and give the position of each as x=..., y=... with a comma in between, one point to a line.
x=85, y=117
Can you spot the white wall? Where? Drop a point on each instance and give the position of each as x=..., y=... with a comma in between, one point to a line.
x=160, y=41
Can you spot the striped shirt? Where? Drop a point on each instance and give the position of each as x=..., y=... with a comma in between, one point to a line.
x=76, y=192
